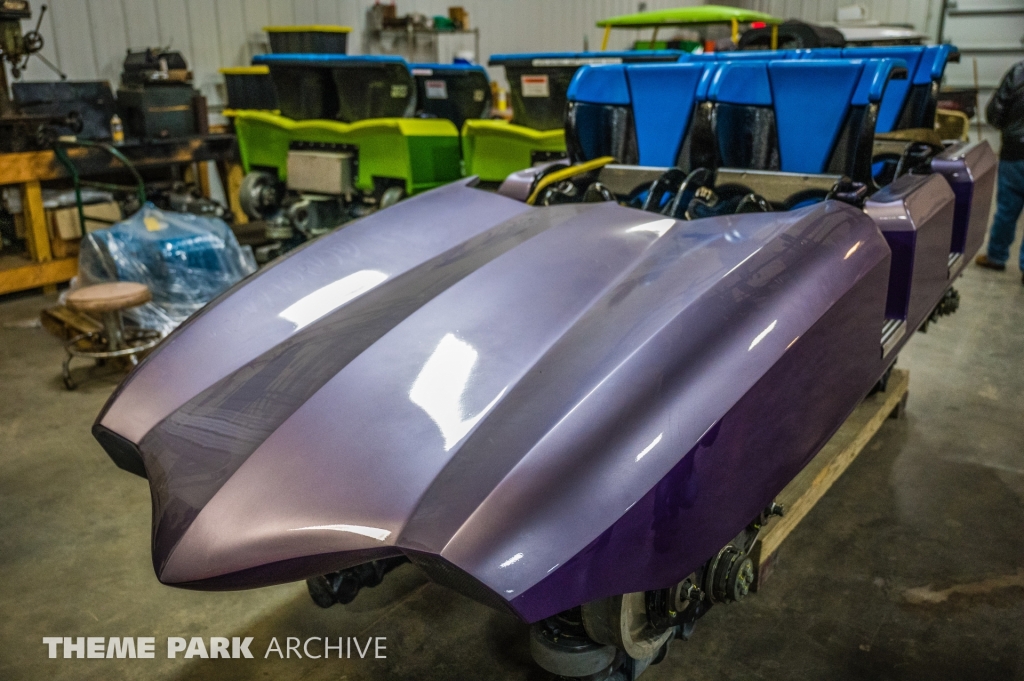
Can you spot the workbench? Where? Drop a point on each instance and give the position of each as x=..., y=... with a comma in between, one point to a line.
x=29, y=169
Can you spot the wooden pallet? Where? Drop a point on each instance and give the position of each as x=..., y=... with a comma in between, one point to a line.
x=65, y=323
x=800, y=495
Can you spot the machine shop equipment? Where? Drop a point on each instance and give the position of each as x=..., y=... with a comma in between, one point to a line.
x=156, y=98
x=20, y=131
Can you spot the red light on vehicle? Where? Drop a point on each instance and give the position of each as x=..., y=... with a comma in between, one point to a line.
x=757, y=24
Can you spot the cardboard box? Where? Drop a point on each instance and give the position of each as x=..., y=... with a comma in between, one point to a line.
x=66, y=229
x=64, y=222
x=61, y=248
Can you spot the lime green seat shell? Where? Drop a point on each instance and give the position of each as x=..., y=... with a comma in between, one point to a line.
x=421, y=152
x=494, y=149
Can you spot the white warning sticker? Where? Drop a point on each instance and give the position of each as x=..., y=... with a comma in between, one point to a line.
x=562, y=61
x=399, y=91
x=535, y=86
x=436, y=89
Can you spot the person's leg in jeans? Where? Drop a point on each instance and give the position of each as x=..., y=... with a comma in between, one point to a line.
x=1009, y=203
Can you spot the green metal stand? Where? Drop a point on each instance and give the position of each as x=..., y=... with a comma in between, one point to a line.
x=61, y=152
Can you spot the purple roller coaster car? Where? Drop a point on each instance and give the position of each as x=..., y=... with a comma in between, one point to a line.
x=578, y=412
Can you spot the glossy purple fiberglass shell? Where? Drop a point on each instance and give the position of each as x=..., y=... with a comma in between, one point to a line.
x=915, y=213
x=518, y=185
x=970, y=169
x=512, y=396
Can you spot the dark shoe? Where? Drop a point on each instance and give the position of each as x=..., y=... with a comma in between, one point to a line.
x=983, y=261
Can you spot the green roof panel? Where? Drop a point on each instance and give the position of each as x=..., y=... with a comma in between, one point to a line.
x=684, y=16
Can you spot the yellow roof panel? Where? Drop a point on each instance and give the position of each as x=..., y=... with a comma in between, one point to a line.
x=307, y=29
x=245, y=70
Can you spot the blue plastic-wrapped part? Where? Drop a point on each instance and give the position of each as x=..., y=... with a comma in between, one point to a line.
x=186, y=260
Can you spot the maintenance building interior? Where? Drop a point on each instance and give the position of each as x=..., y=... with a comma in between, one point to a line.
x=330, y=321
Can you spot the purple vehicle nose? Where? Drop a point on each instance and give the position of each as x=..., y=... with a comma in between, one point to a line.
x=540, y=407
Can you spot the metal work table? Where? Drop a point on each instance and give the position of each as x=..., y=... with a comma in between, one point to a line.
x=29, y=169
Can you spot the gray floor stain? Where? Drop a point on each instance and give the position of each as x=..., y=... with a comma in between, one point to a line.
x=926, y=595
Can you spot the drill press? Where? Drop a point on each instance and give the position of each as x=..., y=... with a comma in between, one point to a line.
x=19, y=131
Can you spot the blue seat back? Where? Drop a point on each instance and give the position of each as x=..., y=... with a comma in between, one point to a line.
x=663, y=101
x=655, y=104
x=813, y=102
x=740, y=126
x=812, y=98
x=798, y=114
x=908, y=103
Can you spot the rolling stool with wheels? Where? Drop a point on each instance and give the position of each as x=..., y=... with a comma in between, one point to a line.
x=107, y=301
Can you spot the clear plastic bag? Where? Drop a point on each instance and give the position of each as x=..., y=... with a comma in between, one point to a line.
x=185, y=260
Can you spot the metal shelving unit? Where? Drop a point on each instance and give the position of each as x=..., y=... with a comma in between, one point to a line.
x=422, y=45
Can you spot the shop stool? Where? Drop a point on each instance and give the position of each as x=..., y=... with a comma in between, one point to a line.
x=108, y=301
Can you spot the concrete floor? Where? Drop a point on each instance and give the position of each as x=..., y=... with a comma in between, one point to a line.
x=934, y=507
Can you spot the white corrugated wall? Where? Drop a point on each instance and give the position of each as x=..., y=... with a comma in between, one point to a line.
x=87, y=39
x=923, y=15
